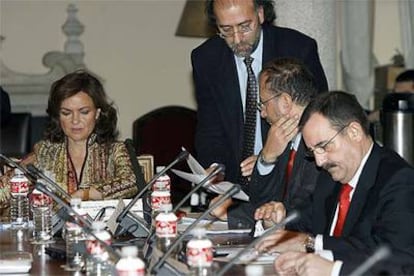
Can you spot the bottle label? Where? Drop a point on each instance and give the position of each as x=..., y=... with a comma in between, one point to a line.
x=159, y=198
x=130, y=272
x=94, y=247
x=40, y=199
x=166, y=229
x=20, y=186
x=199, y=256
x=163, y=183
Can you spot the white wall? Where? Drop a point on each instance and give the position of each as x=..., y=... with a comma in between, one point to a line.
x=131, y=45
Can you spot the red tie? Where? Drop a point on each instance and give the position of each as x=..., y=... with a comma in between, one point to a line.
x=344, y=202
x=289, y=168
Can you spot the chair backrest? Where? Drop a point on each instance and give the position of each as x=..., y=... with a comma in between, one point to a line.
x=163, y=131
x=15, y=136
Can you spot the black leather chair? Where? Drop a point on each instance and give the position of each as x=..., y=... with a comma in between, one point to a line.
x=15, y=135
x=161, y=133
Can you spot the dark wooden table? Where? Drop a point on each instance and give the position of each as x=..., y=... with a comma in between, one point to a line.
x=12, y=240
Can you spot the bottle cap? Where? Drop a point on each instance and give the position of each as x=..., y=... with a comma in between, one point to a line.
x=254, y=270
x=158, y=169
x=129, y=251
x=74, y=201
x=17, y=171
x=198, y=232
x=98, y=225
x=167, y=207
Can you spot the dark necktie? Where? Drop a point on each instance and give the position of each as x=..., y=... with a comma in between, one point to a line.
x=344, y=202
x=289, y=168
x=249, y=114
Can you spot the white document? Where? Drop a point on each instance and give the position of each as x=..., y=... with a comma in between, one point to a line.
x=199, y=173
x=92, y=207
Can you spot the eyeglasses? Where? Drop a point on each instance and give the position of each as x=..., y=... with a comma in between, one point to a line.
x=321, y=149
x=229, y=31
x=261, y=105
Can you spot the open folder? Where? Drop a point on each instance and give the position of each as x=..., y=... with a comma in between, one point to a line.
x=199, y=173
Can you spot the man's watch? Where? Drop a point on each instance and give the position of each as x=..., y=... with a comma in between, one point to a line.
x=309, y=244
x=265, y=162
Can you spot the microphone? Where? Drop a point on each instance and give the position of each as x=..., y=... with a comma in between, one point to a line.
x=81, y=221
x=128, y=220
x=159, y=264
x=16, y=165
x=380, y=254
x=52, y=184
x=291, y=217
x=218, y=169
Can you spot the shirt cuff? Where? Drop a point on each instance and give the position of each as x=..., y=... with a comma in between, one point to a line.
x=264, y=170
x=319, y=243
x=336, y=268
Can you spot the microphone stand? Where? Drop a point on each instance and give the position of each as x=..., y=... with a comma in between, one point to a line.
x=381, y=253
x=292, y=216
x=16, y=165
x=181, y=156
x=83, y=223
x=218, y=169
x=234, y=190
x=54, y=186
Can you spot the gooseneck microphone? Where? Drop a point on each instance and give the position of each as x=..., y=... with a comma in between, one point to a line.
x=379, y=254
x=218, y=169
x=12, y=163
x=84, y=223
x=128, y=220
x=157, y=266
x=53, y=185
x=291, y=217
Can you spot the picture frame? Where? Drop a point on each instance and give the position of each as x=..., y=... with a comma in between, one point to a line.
x=146, y=162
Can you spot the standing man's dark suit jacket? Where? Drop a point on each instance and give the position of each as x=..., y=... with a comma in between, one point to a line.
x=381, y=210
x=220, y=114
x=270, y=187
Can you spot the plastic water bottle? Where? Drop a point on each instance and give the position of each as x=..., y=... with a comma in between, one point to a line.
x=41, y=205
x=200, y=253
x=130, y=264
x=165, y=227
x=98, y=262
x=19, y=209
x=75, y=238
x=163, y=182
x=158, y=199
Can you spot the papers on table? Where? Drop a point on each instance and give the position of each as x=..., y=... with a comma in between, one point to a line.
x=212, y=227
x=199, y=173
x=249, y=257
x=92, y=207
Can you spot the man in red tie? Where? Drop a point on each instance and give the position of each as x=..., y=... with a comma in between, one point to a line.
x=364, y=196
x=282, y=172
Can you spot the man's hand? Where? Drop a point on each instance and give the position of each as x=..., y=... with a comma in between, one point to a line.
x=283, y=241
x=280, y=134
x=247, y=165
x=271, y=213
x=221, y=211
x=297, y=263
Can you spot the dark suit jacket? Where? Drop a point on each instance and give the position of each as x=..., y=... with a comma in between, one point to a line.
x=263, y=189
x=220, y=115
x=5, y=110
x=381, y=210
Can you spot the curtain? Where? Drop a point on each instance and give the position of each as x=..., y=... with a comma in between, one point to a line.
x=407, y=31
x=356, y=49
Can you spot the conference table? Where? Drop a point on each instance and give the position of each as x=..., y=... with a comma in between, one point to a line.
x=13, y=240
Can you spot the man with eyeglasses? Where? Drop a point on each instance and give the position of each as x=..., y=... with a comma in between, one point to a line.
x=363, y=197
x=222, y=79
x=283, y=172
